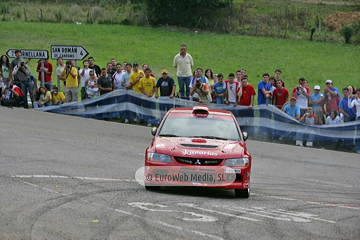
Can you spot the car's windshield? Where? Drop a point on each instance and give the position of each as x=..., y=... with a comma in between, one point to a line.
x=197, y=127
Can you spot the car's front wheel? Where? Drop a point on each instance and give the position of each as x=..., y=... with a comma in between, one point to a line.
x=242, y=193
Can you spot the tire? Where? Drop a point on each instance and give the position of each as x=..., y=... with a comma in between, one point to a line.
x=152, y=188
x=242, y=193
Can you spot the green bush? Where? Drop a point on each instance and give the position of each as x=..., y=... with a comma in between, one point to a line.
x=184, y=13
x=347, y=33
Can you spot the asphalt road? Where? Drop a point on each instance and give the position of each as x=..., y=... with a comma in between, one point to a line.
x=63, y=177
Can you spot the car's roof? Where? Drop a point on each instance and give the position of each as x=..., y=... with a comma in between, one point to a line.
x=201, y=108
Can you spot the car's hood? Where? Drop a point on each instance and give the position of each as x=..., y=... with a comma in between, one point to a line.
x=204, y=148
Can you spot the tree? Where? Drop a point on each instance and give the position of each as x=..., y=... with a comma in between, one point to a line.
x=183, y=13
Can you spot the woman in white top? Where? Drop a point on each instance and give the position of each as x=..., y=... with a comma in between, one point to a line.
x=333, y=118
x=356, y=103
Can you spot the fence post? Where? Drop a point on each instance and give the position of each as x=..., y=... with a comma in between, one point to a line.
x=41, y=15
x=271, y=26
x=25, y=15
x=215, y=25
x=243, y=26
x=229, y=25
x=325, y=34
x=198, y=22
x=250, y=30
x=287, y=27
x=279, y=30
x=256, y=28
x=319, y=35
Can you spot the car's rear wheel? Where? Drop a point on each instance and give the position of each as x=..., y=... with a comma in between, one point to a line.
x=152, y=188
x=242, y=193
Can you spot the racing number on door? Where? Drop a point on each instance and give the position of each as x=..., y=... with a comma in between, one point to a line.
x=152, y=207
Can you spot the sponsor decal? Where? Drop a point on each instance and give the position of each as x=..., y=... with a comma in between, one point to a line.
x=206, y=153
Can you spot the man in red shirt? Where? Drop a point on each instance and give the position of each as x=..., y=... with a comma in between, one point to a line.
x=246, y=95
x=281, y=94
x=48, y=70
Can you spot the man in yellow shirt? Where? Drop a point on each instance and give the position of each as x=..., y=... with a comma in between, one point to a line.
x=135, y=77
x=57, y=97
x=69, y=75
x=147, y=87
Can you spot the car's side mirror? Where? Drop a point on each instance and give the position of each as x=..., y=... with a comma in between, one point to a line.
x=153, y=131
x=245, y=136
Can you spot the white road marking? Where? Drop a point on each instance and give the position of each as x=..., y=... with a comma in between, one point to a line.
x=327, y=183
x=347, y=206
x=67, y=177
x=161, y=208
x=128, y=213
x=221, y=213
x=278, y=214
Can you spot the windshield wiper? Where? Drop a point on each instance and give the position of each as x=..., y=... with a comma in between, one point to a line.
x=209, y=137
x=168, y=135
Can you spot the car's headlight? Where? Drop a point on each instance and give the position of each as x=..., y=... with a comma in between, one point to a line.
x=159, y=157
x=237, y=162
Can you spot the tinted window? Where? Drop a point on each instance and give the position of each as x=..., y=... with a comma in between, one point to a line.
x=200, y=127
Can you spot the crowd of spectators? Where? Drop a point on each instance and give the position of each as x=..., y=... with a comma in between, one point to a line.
x=299, y=102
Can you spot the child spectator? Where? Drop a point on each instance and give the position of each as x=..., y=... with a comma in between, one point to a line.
x=308, y=119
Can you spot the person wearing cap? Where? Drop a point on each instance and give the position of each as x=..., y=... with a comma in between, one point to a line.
x=308, y=119
x=314, y=102
x=333, y=90
x=167, y=87
x=135, y=77
x=183, y=63
x=22, y=74
x=57, y=97
x=302, y=94
x=291, y=109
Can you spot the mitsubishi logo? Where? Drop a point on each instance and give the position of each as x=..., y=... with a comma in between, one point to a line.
x=198, y=162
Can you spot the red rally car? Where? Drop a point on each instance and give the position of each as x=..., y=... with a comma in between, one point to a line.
x=198, y=147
